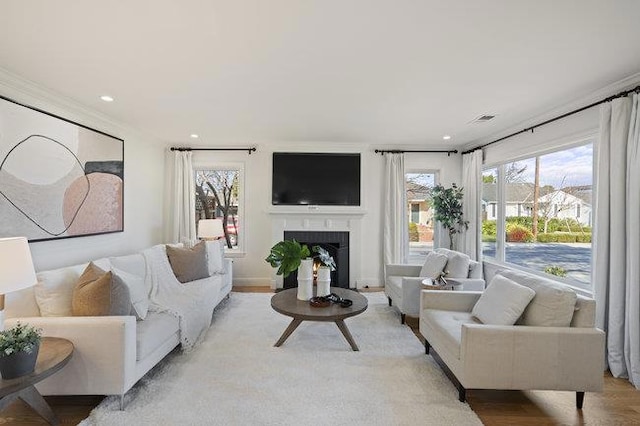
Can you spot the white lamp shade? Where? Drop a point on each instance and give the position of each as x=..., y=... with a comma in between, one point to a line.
x=16, y=265
x=210, y=228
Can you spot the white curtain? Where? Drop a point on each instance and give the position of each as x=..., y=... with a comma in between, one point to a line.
x=472, y=203
x=183, y=206
x=616, y=265
x=396, y=224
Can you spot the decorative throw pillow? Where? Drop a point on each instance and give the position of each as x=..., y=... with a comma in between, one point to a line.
x=433, y=265
x=189, y=264
x=502, y=302
x=457, y=265
x=54, y=290
x=553, y=305
x=137, y=291
x=96, y=294
x=215, y=256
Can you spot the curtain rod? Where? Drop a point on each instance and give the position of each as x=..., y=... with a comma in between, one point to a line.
x=575, y=111
x=184, y=148
x=400, y=151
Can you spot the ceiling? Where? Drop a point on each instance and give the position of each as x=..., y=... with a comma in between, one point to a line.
x=403, y=72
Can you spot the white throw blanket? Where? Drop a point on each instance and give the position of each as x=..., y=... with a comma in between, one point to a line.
x=192, y=303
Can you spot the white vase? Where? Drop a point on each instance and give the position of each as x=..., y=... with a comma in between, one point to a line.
x=305, y=279
x=323, y=281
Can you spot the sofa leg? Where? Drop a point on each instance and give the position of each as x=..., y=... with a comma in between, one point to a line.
x=389, y=301
x=122, y=402
x=579, y=400
x=462, y=393
x=402, y=318
x=427, y=346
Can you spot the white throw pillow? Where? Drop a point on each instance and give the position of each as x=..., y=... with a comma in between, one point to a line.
x=553, y=305
x=54, y=290
x=457, y=265
x=502, y=302
x=137, y=292
x=433, y=265
x=215, y=256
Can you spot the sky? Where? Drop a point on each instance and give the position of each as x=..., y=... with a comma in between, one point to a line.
x=560, y=169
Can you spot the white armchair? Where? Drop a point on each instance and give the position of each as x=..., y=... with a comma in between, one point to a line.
x=403, y=282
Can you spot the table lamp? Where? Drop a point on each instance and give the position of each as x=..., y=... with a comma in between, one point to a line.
x=210, y=229
x=16, y=268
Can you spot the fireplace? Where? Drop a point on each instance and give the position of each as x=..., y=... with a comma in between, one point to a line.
x=336, y=243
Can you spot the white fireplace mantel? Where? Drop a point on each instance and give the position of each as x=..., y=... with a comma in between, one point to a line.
x=322, y=219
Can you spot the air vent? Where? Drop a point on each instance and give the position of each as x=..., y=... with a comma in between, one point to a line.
x=483, y=118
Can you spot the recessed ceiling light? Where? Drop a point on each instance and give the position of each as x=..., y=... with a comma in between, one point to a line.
x=194, y=136
x=106, y=98
x=446, y=137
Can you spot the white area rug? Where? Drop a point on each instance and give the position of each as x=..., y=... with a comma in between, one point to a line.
x=237, y=377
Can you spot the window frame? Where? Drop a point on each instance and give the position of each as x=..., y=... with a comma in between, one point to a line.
x=241, y=249
x=500, y=244
x=436, y=181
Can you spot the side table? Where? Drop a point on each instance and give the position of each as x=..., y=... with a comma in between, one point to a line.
x=54, y=354
x=427, y=284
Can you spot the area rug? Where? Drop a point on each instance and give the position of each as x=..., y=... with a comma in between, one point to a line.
x=237, y=377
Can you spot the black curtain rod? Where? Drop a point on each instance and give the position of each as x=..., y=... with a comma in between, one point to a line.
x=400, y=151
x=575, y=111
x=183, y=148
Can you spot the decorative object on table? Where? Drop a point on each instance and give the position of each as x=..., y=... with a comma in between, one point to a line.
x=441, y=280
x=16, y=268
x=447, y=206
x=60, y=179
x=327, y=264
x=319, y=302
x=210, y=229
x=290, y=255
x=18, y=350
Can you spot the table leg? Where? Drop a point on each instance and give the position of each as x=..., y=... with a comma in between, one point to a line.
x=33, y=399
x=292, y=326
x=347, y=335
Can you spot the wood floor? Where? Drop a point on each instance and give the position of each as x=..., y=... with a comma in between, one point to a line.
x=619, y=404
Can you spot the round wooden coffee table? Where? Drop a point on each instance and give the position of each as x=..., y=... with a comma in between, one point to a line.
x=54, y=354
x=287, y=303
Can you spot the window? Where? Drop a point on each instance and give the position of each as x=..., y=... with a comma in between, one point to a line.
x=543, y=220
x=219, y=195
x=418, y=186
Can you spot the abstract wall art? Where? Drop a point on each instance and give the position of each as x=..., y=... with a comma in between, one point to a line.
x=58, y=179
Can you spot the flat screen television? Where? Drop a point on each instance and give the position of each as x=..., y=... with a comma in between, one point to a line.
x=324, y=179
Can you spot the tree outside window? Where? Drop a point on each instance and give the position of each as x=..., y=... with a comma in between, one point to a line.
x=217, y=197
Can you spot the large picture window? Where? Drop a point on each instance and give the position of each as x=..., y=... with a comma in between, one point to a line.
x=218, y=196
x=420, y=212
x=537, y=214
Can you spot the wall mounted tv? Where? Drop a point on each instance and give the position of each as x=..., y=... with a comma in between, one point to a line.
x=323, y=179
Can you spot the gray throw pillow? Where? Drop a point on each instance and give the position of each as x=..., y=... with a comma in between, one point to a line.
x=97, y=294
x=189, y=264
x=433, y=265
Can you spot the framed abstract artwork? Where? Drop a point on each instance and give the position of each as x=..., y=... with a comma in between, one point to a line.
x=58, y=179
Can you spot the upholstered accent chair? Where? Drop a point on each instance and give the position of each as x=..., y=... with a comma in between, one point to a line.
x=403, y=282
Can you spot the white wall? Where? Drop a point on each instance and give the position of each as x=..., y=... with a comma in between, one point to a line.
x=250, y=267
x=143, y=184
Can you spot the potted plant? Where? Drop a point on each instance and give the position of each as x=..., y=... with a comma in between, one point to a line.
x=290, y=255
x=447, y=205
x=19, y=348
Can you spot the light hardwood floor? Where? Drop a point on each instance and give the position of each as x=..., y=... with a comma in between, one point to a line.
x=619, y=404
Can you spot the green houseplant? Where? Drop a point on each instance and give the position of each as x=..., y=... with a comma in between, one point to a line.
x=447, y=206
x=19, y=348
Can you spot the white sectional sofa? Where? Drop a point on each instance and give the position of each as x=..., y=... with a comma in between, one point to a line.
x=111, y=353
x=554, y=344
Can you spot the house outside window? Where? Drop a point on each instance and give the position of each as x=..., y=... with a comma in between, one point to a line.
x=557, y=188
x=418, y=186
x=219, y=195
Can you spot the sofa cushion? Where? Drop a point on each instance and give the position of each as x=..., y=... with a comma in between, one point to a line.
x=502, y=302
x=433, y=265
x=96, y=293
x=133, y=264
x=447, y=325
x=54, y=290
x=154, y=331
x=189, y=264
x=137, y=291
x=215, y=256
x=553, y=304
